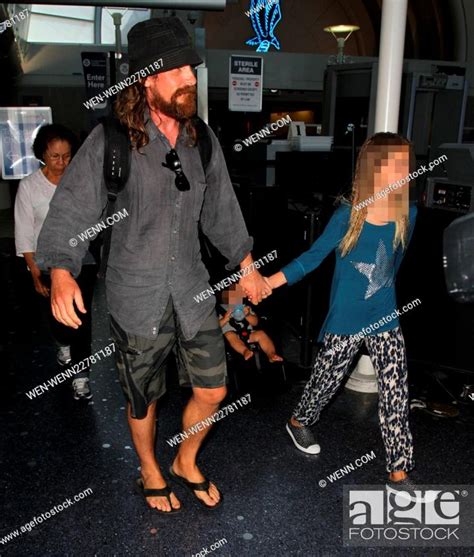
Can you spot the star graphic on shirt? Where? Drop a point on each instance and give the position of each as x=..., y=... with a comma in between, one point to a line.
x=379, y=274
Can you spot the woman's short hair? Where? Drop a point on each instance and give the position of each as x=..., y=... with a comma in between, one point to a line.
x=53, y=132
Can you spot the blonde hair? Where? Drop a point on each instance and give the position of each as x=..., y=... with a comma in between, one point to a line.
x=375, y=149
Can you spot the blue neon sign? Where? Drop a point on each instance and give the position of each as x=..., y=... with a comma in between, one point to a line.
x=264, y=16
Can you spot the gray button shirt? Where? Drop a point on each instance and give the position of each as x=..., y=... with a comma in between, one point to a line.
x=155, y=250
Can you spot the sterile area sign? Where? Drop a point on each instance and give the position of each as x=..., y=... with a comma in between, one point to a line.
x=245, y=83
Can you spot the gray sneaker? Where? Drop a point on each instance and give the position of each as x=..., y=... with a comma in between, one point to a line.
x=63, y=355
x=303, y=439
x=81, y=388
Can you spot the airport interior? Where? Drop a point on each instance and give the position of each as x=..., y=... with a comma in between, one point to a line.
x=306, y=429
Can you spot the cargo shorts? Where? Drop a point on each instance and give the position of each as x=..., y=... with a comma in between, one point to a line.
x=141, y=362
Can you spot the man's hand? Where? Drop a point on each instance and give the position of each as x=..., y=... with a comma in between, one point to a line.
x=64, y=293
x=255, y=287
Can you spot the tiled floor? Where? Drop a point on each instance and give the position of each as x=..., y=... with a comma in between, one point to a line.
x=54, y=448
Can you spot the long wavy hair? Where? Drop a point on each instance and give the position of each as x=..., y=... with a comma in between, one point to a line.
x=375, y=149
x=130, y=108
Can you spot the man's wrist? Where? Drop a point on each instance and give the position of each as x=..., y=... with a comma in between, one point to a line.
x=60, y=273
x=248, y=260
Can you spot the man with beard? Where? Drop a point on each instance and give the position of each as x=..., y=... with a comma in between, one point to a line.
x=155, y=267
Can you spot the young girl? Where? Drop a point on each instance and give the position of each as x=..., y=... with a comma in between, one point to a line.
x=370, y=236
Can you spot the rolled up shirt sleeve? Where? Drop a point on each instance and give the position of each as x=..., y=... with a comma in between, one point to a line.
x=77, y=205
x=221, y=217
x=308, y=261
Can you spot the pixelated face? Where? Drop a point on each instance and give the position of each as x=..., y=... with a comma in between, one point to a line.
x=382, y=178
x=235, y=294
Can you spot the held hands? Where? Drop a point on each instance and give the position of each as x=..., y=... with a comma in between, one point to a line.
x=255, y=287
x=276, y=280
x=64, y=294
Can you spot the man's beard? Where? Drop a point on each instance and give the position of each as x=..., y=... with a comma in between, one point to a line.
x=182, y=105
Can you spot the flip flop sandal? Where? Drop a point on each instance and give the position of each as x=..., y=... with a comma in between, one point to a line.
x=201, y=486
x=163, y=492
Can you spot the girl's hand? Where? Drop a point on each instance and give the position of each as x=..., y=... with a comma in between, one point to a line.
x=276, y=280
x=246, y=310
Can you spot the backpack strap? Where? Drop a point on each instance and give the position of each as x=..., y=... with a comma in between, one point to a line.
x=204, y=142
x=117, y=162
x=204, y=145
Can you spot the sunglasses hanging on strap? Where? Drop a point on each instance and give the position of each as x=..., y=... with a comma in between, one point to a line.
x=117, y=161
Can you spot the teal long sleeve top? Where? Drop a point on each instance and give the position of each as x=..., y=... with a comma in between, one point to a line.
x=363, y=285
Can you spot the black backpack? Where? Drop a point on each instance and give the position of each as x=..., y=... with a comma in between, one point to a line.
x=117, y=161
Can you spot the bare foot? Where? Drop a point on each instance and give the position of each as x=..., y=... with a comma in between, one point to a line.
x=247, y=354
x=274, y=358
x=154, y=480
x=211, y=497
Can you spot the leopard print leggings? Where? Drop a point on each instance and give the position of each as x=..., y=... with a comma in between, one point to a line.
x=387, y=352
